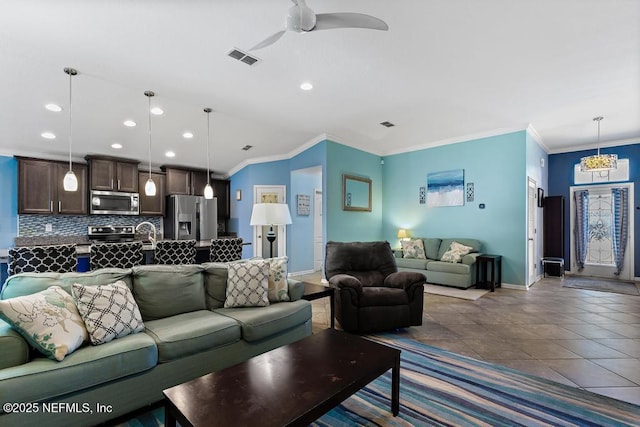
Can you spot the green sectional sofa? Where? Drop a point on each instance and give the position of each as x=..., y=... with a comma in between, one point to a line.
x=459, y=274
x=188, y=333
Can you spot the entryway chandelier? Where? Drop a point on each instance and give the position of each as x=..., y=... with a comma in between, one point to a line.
x=599, y=162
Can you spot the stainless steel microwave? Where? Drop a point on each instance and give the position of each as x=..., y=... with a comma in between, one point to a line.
x=114, y=203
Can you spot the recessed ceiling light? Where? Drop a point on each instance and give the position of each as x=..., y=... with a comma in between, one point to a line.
x=157, y=111
x=129, y=123
x=306, y=86
x=116, y=145
x=48, y=135
x=53, y=107
x=187, y=135
x=170, y=154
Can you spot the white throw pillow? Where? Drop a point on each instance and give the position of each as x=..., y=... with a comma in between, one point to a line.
x=456, y=252
x=108, y=311
x=278, y=286
x=413, y=248
x=248, y=284
x=48, y=320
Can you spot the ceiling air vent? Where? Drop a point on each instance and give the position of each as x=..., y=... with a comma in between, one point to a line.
x=387, y=124
x=247, y=147
x=243, y=56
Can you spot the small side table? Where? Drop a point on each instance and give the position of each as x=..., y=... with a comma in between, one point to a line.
x=482, y=267
x=556, y=264
x=314, y=292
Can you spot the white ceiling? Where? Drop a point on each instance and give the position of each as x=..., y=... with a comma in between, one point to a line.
x=446, y=70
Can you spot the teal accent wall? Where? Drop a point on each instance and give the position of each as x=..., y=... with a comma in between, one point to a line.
x=9, y=197
x=303, y=181
x=497, y=167
x=345, y=226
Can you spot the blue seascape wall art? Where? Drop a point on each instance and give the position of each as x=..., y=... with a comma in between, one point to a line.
x=445, y=188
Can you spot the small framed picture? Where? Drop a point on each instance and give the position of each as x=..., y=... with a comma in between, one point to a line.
x=540, y=197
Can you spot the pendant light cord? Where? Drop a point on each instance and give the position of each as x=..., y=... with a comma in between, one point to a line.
x=149, y=111
x=208, y=133
x=70, y=80
x=597, y=119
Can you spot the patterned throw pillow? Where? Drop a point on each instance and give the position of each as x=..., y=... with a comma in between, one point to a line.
x=48, y=320
x=248, y=284
x=456, y=252
x=278, y=286
x=108, y=311
x=413, y=248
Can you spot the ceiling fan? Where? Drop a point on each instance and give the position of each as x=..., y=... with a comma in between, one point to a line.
x=302, y=19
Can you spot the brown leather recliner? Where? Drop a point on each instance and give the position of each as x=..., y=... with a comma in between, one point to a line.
x=370, y=294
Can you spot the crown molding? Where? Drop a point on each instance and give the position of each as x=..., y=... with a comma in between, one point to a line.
x=584, y=147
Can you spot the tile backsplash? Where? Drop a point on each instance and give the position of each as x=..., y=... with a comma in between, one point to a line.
x=75, y=225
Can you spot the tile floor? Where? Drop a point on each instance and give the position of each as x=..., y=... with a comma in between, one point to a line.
x=585, y=339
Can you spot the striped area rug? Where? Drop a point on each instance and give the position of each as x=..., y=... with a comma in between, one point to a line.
x=440, y=388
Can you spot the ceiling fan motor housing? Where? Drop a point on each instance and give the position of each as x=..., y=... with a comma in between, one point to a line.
x=300, y=18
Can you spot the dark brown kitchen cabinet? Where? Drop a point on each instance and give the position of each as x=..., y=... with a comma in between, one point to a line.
x=152, y=205
x=112, y=174
x=221, y=189
x=40, y=189
x=188, y=182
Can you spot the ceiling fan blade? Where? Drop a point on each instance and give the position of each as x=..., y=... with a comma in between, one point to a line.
x=269, y=40
x=327, y=21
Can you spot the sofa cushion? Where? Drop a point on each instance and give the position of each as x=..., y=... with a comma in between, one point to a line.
x=88, y=366
x=215, y=283
x=446, y=244
x=15, y=350
x=166, y=290
x=413, y=248
x=456, y=252
x=262, y=322
x=30, y=283
x=412, y=263
x=248, y=284
x=278, y=286
x=48, y=320
x=189, y=333
x=448, y=267
x=108, y=311
x=431, y=247
x=378, y=296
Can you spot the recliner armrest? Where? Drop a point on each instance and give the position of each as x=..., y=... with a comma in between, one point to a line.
x=345, y=281
x=404, y=279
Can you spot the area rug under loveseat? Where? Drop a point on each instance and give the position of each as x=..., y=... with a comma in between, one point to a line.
x=440, y=388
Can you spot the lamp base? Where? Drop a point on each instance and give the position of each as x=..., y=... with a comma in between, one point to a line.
x=271, y=237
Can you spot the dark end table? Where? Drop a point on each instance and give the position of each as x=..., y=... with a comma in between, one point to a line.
x=483, y=263
x=314, y=292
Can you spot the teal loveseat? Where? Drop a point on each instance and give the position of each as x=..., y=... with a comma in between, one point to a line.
x=459, y=274
x=188, y=333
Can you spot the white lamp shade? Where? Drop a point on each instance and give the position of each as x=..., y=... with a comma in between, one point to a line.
x=208, y=191
x=70, y=182
x=150, y=188
x=270, y=214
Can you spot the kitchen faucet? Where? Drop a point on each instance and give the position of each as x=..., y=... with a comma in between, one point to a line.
x=153, y=229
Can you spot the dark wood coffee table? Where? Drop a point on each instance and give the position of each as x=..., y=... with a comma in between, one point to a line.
x=314, y=292
x=290, y=386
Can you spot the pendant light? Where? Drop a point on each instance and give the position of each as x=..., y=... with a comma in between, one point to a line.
x=599, y=162
x=208, y=189
x=70, y=181
x=150, y=186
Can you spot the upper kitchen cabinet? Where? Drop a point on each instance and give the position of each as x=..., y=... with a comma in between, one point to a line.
x=113, y=174
x=152, y=205
x=40, y=189
x=192, y=182
x=188, y=182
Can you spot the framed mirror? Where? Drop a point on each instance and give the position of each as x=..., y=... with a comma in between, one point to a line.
x=356, y=193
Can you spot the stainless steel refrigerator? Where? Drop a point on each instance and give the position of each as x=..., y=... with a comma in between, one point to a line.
x=191, y=217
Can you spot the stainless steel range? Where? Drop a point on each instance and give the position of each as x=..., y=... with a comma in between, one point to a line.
x=111, y=233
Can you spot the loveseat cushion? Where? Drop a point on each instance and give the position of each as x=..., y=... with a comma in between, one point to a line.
x=15, y=350
x=88, y=366
x=189, y=333
x=420, y=264
x=166, y=290
x=448, y=267
x=262, y=322
x=215, y=283
x=30, y=283
x=378, y=296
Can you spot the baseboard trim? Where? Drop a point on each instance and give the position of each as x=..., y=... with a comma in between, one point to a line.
x=515, y=287
x=300, y=273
